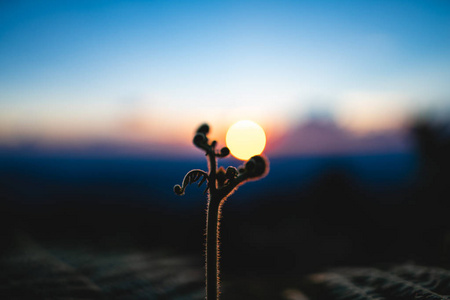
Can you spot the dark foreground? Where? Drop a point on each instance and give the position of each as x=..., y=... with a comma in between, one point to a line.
x=31, y=270
x=356, y=227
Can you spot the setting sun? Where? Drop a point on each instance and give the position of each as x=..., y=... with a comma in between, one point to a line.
x=245, y=139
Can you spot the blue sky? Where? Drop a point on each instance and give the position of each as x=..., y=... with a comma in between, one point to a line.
x=150, y=71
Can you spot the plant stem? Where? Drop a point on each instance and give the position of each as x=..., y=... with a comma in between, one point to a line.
x=212, y=231
x=212, y=249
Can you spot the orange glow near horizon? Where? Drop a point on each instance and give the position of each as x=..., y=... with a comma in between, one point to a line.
x=245, y=139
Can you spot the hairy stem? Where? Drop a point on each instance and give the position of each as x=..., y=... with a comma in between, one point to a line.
x=212, y=249
x=212, y=231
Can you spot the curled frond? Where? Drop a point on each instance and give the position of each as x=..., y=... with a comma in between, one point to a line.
x=191, y=177
x=201, y=141
x=256, y=167
x=231, y=173
x=204, y=128
x=224, y=152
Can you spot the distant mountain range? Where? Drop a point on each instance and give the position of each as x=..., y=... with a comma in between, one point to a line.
x=325, y=137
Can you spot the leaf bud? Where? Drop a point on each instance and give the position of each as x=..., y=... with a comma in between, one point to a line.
x=199, y=139
x=178, y=190
x=224, y=152
x=204, y=128
x=256, y=166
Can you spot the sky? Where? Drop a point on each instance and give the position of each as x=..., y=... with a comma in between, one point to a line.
x=147, y=73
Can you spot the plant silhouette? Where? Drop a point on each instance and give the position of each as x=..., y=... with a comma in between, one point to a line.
x=221, y=183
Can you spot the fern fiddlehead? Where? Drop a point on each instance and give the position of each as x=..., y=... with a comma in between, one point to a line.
x=220, y=184
x=191, y=177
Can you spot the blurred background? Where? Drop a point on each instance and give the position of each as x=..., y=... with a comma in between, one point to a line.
x=99, y=102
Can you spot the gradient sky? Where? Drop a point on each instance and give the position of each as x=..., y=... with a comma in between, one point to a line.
x=148, y=72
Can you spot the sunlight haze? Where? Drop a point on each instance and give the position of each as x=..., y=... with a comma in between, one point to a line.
x=146, y=73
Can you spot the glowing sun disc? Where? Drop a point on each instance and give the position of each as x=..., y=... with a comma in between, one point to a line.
x=245, y=139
